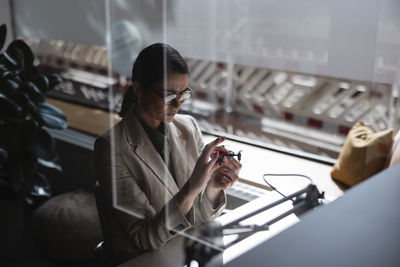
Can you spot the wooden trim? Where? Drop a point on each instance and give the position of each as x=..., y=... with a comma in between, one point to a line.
x=85, y=119
x=255, y=184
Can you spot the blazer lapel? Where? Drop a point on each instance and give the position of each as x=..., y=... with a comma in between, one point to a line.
x=178, y=150
x=144, y=149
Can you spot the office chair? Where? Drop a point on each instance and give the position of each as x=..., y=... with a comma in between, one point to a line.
x=103, y=250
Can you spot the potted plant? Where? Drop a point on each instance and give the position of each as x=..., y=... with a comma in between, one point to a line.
x=25, y=143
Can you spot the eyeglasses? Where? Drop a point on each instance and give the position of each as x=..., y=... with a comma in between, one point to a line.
x=181, y=97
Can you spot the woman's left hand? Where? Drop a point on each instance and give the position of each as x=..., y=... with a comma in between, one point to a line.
x=223, y=177
x=226, y=175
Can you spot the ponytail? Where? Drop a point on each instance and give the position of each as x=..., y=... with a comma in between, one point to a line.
x=129, y=99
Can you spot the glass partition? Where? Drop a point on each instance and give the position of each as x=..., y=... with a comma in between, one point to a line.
x=269, y=77
x=286, y=76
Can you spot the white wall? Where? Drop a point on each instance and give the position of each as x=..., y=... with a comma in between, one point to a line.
x=354, y=39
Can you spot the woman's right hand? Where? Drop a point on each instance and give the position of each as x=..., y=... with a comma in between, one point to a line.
x=206, y=164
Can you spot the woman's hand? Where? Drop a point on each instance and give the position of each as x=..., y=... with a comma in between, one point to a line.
x=223, y=177
x=226, y=175
x=206, y=164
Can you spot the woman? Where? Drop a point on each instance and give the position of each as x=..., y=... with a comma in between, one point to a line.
x=157, y=175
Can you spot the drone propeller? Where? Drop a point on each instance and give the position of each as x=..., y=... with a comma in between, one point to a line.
x=239, y=155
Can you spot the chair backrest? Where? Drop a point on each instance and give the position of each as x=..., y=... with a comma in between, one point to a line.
x=104, y=216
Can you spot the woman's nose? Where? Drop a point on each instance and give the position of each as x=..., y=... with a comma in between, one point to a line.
x=176, y=103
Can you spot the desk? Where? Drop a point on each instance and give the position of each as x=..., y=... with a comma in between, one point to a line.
x=172, y=254
x=257, y=161
x=359, y=229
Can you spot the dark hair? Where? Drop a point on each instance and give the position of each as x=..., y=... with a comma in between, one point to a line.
x=149, y=69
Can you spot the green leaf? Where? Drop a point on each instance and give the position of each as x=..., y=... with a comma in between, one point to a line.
x=51, y=116
x=3, y=163
x=37, y=140
x=10, y=62
x=54, y=80
x=33, y=92
x=11, y=86
x=41, y=187
x=10, y=75
x=28, y=107
x=8, y=108
x=6, y=75
x=17, y=76
x=28, y=132
x=3, y=69
x=52, y=121
x=3, y=35
x=50, y=109
x=22, y=170
x=3, y=156
x=44, y=145
x=21, y=52
x=41, y=81
x=9, y=135
x=6, y=190
x=50, y=164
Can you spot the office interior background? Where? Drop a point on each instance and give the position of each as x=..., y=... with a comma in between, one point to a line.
x=285, y=81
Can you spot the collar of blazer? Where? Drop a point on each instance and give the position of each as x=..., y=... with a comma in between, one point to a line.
x=145, y=151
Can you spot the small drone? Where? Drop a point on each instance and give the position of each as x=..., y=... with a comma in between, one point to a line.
x=228, y=153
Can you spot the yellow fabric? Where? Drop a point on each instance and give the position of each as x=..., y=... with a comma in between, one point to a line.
x=395, y=154
x=363, y=155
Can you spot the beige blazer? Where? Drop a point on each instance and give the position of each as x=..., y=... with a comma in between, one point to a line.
x=139, y=188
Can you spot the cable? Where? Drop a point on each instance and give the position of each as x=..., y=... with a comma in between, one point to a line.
x=283, y=174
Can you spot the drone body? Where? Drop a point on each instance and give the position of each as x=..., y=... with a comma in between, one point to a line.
x=228, y=153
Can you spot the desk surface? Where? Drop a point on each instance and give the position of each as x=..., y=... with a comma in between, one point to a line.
x=359, y=229
x=257, y=161
x=172, y=253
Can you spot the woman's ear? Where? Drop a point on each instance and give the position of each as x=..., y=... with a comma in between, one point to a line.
x=138, y=89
